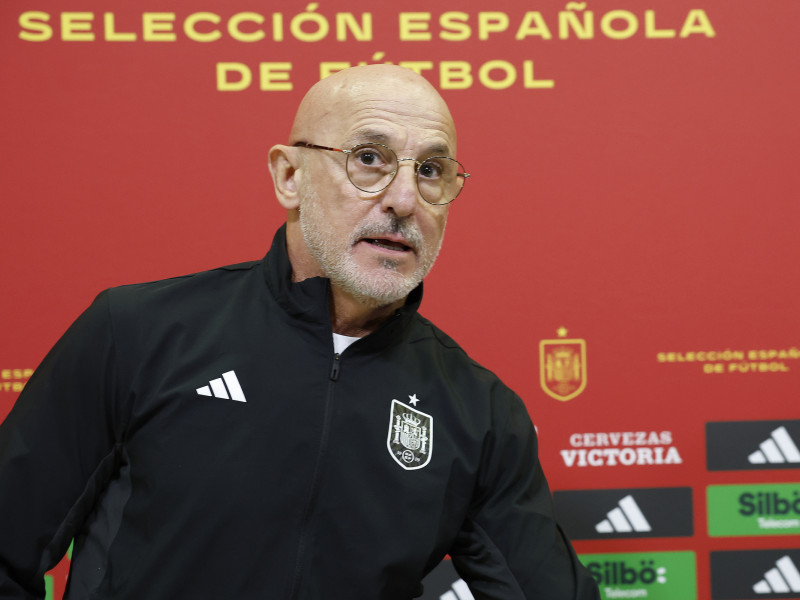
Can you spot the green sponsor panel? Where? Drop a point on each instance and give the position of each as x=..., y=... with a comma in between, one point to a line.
x=757, y=509
x=652, y=575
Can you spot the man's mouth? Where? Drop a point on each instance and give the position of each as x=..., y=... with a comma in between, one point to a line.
x=388, y=244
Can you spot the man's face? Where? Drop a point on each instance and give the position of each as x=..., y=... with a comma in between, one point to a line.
x=376, y=247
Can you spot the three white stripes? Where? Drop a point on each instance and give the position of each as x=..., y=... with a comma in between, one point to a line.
x=778, y=448
x=782, y=579
x=226, y=387
x=460, y=592
x=625, y=518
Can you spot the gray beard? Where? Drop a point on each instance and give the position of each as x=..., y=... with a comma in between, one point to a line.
x=375, y=288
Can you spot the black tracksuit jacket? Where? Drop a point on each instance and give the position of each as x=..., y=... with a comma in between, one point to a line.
x=320, y=477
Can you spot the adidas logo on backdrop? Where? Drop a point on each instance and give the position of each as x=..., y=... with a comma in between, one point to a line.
x=755, y=574
x=444, y=583
x=626, y=517
x=778, y=448
x=782, y=579
x=459, y=591
x=750, y=445
x=625, y=513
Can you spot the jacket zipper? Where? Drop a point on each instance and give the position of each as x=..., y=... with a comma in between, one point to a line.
x=305, y=524
x=335, y=367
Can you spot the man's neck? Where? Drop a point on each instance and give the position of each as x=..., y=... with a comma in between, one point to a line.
x=351, y=316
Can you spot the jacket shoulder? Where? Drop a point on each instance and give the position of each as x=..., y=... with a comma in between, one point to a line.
x=192, y=288
x=455, y=359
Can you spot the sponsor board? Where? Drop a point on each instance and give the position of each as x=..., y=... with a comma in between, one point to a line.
x=652, y=575
x=620, y=448
x=744, y=575
x=751, y=445
x=758, y=509
x=625, y=513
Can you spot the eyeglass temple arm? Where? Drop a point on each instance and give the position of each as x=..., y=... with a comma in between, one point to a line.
x=318, y=147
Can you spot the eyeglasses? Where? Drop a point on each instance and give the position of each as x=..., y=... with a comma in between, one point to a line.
x=372, y=168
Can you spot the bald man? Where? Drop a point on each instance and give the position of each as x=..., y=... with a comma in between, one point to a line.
x=374, y=247
x=289, y=428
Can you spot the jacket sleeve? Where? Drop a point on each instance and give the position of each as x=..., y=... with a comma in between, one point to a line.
x=510, y=546
x=57, y=450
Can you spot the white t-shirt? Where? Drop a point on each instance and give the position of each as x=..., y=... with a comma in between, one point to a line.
x=341, y=342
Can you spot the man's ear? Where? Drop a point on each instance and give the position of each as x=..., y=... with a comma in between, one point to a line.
x=285, y=172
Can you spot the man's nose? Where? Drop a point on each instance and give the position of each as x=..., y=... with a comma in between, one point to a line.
x=402, y=195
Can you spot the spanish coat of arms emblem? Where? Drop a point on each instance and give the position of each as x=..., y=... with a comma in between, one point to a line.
x=410, y=440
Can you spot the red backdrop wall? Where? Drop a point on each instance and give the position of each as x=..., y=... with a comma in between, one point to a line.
x=635, y=183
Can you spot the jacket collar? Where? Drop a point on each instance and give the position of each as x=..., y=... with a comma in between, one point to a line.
x=308, y=300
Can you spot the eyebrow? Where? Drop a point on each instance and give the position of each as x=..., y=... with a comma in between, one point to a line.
x=367, y=135
x=437, y=150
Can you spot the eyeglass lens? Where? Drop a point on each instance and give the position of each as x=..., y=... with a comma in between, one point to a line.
x=372, y=167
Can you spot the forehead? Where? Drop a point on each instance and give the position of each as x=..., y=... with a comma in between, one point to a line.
x=412, y=121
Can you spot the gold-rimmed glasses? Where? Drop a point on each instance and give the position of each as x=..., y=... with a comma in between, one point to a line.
x=372, y=167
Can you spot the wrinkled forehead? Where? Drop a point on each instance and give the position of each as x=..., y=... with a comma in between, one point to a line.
x=416, y=127
x=402, y=111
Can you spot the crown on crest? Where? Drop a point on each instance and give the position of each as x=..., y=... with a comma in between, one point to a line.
x=411, y=419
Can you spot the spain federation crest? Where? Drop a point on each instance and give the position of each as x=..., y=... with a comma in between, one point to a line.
x=410, y=440
x=562, y=366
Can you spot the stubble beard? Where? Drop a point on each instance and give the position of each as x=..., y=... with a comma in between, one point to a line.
x=374, y=287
